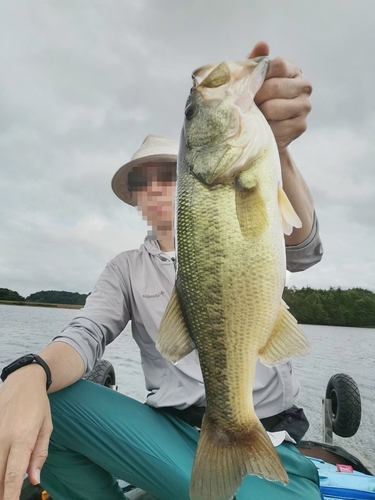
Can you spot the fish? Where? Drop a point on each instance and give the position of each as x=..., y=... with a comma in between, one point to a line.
x=231, y=217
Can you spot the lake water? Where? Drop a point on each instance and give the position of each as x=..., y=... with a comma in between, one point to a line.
x=334, y=350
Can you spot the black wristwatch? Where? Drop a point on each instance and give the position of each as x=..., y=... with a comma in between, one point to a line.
x=24, y=361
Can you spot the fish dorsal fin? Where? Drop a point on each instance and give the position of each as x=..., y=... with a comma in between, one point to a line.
x=287, y=340
x=218, y=76
x=173, y=340
x=289, y=216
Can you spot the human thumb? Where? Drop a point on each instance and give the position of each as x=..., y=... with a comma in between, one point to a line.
x=260, y=49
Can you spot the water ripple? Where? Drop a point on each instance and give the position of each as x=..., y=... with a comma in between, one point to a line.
x=334, y=350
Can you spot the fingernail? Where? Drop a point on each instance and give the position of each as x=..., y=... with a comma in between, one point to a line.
x=37, y=475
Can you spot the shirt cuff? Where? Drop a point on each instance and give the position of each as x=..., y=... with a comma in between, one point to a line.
x=307, y=253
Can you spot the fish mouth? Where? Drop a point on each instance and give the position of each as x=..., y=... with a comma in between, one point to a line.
x=201, y=73
x=219, y=138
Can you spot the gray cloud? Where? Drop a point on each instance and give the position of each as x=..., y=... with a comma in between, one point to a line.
x=83, y=82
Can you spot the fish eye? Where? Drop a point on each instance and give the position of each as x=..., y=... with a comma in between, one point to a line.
x=190, y=112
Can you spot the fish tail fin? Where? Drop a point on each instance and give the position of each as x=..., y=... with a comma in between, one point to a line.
x=223, y=459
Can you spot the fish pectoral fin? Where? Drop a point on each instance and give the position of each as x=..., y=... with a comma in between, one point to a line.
x=287, y=340
x=250, y=207
x=289, y=216
x=224, y=458
x=247, y=179
x=173, y=340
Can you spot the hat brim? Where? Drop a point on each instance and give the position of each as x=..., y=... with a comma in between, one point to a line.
x=120, y=179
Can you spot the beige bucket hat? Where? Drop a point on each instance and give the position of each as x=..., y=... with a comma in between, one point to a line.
x=156, y=148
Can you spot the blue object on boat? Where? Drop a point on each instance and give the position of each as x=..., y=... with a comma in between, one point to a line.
x=336, y=485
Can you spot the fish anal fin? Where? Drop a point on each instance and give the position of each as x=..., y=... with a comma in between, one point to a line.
x=289, y=216
x=287, y=340
x=173, y=340
x=223, y=459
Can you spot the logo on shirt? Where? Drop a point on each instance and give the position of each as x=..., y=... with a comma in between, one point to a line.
x=154, y=296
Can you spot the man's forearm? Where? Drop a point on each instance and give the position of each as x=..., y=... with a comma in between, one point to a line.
x=300, y=197
x=65, y=363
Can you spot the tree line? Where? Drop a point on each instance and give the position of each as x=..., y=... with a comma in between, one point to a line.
x=335, y=307
x=45, y=297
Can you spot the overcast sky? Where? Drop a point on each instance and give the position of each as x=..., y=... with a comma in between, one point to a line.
x=84, y=81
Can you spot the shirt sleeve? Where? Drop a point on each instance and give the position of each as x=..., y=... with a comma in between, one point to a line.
x=306, y=254
x=101, y=320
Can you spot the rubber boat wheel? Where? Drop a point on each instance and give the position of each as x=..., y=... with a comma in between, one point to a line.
x=103, y=373
x=346, y=404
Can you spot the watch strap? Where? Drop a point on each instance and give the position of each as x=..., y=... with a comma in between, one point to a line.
x=28, y=359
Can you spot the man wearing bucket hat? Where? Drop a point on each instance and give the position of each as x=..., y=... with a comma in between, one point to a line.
x=155, y=149
x=98, y=434
x=147, y=181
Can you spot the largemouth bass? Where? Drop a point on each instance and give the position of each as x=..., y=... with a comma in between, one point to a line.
x=227, y=300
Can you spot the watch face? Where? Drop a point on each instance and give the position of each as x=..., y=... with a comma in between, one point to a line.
x=27, y=358
x=24, y=360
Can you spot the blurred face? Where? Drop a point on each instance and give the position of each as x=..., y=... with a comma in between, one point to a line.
x=153, y=185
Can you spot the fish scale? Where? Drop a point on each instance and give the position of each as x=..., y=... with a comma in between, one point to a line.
x=220, y=262
x=230, y=272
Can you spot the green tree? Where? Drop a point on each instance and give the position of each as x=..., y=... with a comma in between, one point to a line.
x=336, y=307
x=6, y=294
x=57, y=297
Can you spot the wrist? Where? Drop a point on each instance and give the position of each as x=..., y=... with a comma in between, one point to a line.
x=287, y=165
x=285, y=156
x=27, y=361
x=32, y=372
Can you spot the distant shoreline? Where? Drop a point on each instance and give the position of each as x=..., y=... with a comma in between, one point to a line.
x=39, y=304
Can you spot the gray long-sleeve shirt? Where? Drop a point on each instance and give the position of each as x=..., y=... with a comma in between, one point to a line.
x=136, y=285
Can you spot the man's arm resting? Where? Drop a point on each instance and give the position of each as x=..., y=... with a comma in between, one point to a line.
x=63, y=360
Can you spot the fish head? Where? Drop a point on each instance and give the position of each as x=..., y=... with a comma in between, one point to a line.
x=222, y=122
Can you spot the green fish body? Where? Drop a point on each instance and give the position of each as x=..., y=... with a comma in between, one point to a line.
x=227, y=301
